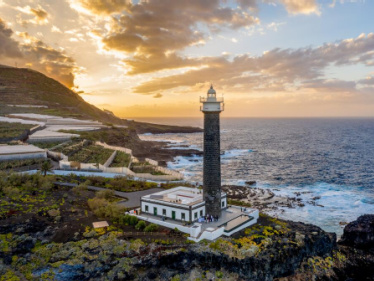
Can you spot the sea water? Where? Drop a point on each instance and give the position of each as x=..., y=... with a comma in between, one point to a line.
x=328, y=158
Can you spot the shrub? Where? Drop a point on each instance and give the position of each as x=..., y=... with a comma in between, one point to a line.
x=136, y=245
x=106, y=194
x=97, y=203
x=114, y=211
x=124, y=219
x=79, y=188
x=219, y=274
x=133, y=220
x=12, y=192
x=140, y=225
x=151, y=228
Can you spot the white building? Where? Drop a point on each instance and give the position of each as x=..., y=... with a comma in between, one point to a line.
x=184, y=208
x=180, y=204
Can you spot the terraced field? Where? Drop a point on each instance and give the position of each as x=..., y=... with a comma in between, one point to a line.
x=12, y=130
x=121, y=160
x=91, y=154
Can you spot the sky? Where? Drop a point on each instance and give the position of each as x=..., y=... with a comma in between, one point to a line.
x=155, y=58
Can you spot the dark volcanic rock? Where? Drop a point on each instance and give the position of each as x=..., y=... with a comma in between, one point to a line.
x=359, y=233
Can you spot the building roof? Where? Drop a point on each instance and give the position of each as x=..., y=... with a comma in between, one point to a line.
x=180, y=195
x=100, y=224
x=19, y=149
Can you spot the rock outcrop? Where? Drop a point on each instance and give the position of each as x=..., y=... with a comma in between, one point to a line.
x=359, y=233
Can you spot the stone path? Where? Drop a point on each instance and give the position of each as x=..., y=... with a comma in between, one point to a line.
x=133, y=197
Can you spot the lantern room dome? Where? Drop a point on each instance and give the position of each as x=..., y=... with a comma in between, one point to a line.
x=211, y=91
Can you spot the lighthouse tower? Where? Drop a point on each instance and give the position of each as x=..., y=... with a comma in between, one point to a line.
x=212, y=107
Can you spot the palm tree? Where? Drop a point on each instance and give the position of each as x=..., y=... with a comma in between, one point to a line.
x=46, y=167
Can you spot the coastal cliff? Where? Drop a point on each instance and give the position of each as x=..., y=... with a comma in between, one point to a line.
x=46, y=233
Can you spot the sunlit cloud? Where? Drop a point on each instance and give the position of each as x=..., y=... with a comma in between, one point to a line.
x=40, y=15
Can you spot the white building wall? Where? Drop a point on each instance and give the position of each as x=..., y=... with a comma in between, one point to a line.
x=224, y=201
x=169, y=210
x=202, y=208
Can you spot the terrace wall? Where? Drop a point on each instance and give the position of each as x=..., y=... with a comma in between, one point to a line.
x=151, y=161
x=110, y=159
x=57, y=155
x=123, y=149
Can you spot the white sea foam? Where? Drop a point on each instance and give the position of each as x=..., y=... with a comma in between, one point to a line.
x=333, y=204
x=337, y=203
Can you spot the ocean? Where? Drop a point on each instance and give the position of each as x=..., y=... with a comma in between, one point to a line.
x=321, y=157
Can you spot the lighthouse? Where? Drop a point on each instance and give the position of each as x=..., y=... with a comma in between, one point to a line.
x=212, y=107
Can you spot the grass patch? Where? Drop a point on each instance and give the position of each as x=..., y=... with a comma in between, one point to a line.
x=121, y=160
x=46, y=145
x=13, y=130
x=13, y=164
x=238, y=203
x=91, y=154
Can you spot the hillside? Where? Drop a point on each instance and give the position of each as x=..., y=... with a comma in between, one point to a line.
x=22, y=86
x=28, y=87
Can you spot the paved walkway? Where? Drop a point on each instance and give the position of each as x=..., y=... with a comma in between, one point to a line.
x=133, y=197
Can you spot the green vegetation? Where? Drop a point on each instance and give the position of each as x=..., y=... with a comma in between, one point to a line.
x=145, y=167
x=14, y=164
x=91, y=154
x=255, y=239
x=121, y=160
x=23, y=194
x=107, y=135
x=238, y=203
x=46, y=167
x=13, y=130
x=151, y=228
x=140, y=225
x=103, y=208
x=47, y=145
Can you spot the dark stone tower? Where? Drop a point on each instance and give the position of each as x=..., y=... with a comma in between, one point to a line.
x=211, y=108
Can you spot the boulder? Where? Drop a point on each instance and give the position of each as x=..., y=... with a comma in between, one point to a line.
x=359, y=233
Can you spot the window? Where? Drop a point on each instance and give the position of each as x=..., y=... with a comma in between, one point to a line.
x=183, y=216
x=146, y=208
x=195, y=215
x=223, y=204
x=164, y=212
x=201, y=213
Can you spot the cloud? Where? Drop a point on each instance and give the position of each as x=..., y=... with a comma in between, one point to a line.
x=276, y=69
x=34, y=53
x=100, y=7
x=152, y=31
x=8, y=46
x=301, y=6
x=157, y=96
x=40, y=15
x=56, y=29
x=331, y=85
x=367, y=81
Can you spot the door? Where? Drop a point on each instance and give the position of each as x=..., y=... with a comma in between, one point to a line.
x=155, y=211
x=173, y=215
